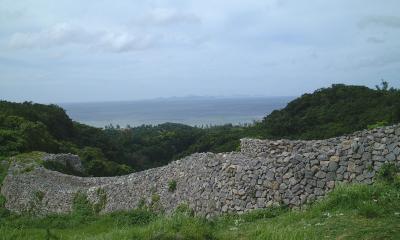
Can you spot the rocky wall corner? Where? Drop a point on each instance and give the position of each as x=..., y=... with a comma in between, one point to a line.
x=262, y=174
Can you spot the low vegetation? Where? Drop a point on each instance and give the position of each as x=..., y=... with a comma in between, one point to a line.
x=348, y=212
x=172, y=185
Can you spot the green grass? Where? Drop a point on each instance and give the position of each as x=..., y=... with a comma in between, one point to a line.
x=377, y=125
x=28, y=160
x=349, y=212
x=36, y=157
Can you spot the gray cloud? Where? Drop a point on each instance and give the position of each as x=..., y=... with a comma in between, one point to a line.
x=375, y=40
x=385, y=21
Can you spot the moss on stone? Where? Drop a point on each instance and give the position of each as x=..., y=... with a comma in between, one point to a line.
x=26, y=162
x=32, y=157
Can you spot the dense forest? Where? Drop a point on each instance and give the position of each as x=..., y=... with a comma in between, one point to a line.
x=328, y=112
x=334, y=111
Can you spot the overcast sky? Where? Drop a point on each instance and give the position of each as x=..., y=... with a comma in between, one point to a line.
x=71, y=51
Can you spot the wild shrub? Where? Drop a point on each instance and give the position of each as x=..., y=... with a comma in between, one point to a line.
x=389, y=173
x=101, y=204
x=184, y=208
x=155, y=204
x=172, y=185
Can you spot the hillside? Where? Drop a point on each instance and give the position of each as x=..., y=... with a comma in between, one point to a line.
x=333, y=111
x=328, y=112
x=350, y=211
x=26, y=127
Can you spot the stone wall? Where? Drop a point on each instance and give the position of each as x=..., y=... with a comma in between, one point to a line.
x=264, y=173
x=67, y=160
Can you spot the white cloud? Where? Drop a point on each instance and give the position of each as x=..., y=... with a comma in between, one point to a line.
x=68, y=34
x=124, y=42
x=59, y=34
x=148, y=29
x=169, y=16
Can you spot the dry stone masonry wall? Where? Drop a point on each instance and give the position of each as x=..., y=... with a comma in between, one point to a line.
x=262, y=174
x=66, y=160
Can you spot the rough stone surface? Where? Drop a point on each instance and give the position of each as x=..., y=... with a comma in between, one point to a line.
x=264, y=173
x=66, y=159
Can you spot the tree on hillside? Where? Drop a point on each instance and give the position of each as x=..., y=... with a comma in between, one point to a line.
x=384, y=86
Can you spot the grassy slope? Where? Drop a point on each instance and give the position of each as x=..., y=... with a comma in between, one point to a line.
x=349, y=212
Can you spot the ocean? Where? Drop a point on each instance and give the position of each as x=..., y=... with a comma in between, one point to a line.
x=194, y=111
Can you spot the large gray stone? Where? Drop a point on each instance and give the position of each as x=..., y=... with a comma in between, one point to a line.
x=390, y=157
x=332, y=166
x=66, y=160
